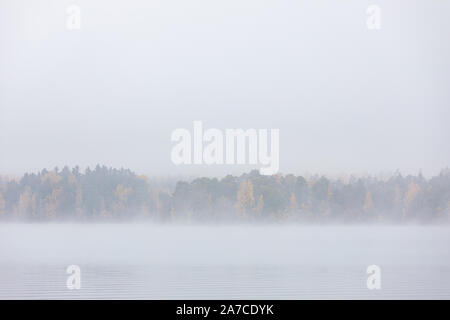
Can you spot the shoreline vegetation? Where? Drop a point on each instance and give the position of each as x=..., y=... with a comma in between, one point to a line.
x=106, y=194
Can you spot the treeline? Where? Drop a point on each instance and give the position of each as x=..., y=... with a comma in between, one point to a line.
x=108, y=194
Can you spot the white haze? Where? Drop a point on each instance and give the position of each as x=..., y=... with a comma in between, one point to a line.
x=144, y=243
x=143, y=261
x=346, y=100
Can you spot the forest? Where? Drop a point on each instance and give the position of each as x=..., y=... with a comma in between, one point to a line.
x=108, y=194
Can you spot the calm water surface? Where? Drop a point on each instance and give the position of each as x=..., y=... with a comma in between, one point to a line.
x=142, y=261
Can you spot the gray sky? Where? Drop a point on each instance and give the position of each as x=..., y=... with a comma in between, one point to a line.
x=346, y=99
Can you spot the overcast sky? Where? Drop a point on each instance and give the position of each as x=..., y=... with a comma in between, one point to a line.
x=346, y=99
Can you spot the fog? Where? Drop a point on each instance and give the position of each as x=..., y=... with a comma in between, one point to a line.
x=144, y=243
x=362, y=121
x=346, y=99
x=143, y=261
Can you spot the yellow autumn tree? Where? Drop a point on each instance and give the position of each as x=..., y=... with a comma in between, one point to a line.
x=121, y=193
x=242, y=199
x=245, y=198
x=260, y=205
x=51, y=202
x=24, y=204
x=52, y=177
x=368, y=203
x=293, y=205
x=410, y=195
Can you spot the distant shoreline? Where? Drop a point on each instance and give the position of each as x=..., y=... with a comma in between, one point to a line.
x=119, y=195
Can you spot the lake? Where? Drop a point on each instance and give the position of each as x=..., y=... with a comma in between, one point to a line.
x=145, y=261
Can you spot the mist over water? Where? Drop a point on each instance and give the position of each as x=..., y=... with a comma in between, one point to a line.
x=224, y=149
x=147, y=261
